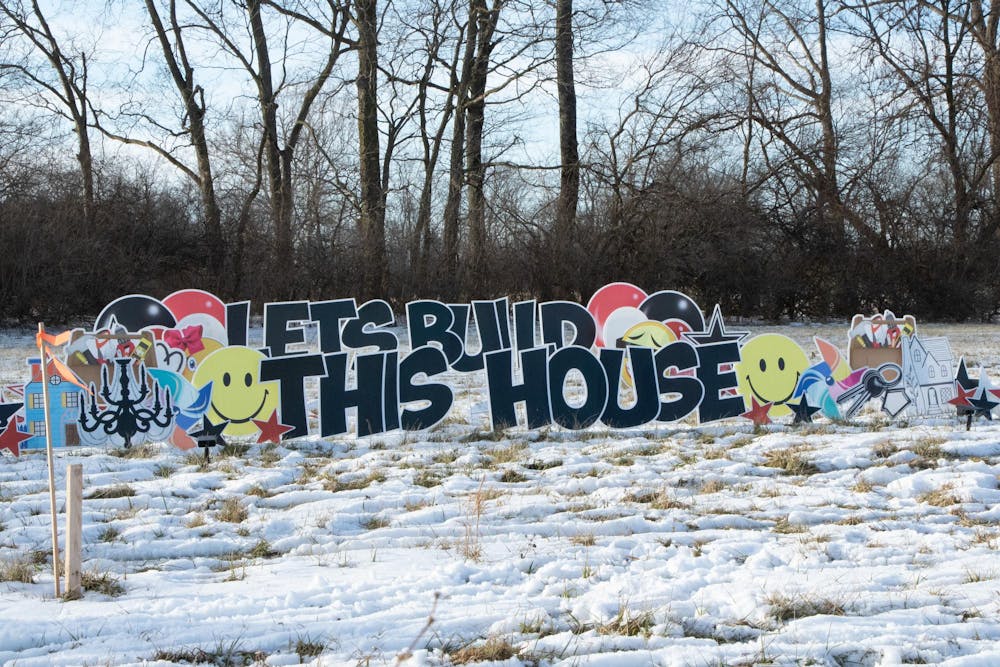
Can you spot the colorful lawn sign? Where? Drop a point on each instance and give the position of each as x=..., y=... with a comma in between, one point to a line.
x=180, y=369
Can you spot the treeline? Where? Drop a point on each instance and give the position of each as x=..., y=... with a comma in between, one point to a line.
x=789, y=158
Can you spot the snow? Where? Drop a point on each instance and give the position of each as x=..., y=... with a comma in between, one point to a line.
x=673, y=545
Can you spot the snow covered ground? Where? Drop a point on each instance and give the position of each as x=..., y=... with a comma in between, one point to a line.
x=866, y=544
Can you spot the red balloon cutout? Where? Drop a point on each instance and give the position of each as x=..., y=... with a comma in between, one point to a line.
x=195, y=301
x=609, y=299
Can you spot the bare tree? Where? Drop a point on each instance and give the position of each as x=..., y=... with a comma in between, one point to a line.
x=788, y=44
x=434, y=28
x=252, y=50
x=192, y=96
x=980, y=20
x=59, y=84
x=924, y=52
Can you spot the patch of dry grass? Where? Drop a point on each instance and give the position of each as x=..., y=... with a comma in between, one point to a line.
x=783, y=526
x=511, y=476
x=712, y=486
x=20, y=570
x=259, y=491
x=662, y=499
x=627, y=622
x=862, y=486
x=789, y=607
x=492, y=649
x=114, y=491
x=336, y=483
x=943, y=497
x=791, y=461
x=101, y=582
x=232, y=511
x=512, y=453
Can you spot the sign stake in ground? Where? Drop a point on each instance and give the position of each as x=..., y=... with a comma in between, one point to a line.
x=48, y=455
x=210, y=435
x=74, y=528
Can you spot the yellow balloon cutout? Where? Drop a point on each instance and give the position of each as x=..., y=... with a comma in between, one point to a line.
x=769, y=369
x=651, y=334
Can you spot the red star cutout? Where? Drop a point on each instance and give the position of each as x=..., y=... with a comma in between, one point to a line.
x=11, y=438
x=271, y=430
x=758, y=412
x=962, y=399
x=995, y=392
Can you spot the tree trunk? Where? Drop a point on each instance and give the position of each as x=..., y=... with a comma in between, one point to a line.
x=283, y=269
x=86, y=161
x=991, y=88
x=175, y=57
x=372, y=219
x=561, y=266
x=456, y=176
x=829, y=189
x=475, y=168
x=420, y=247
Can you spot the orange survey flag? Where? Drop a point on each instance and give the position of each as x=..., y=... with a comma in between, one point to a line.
x=61, y=369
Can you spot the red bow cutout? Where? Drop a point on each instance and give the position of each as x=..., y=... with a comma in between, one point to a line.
x=188, y=340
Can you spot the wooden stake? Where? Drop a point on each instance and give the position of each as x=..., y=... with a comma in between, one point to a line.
x=74, y=528
x=48, y=454
x=968, y=422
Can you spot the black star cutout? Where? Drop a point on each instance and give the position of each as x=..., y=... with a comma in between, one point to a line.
x=716, y=331
x=984, y=405
x=7, y=411
x=209, y=435
x=962, y=376
x=803, y=411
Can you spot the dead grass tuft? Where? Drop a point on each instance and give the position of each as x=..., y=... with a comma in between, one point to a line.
x=789, y=607
x=474, y=506
x=862, y=486
x=20, y=570
x=374, y=523
x=259, y=491
x=884, y=449
x=791, y=461
x=115, y=491
x=232, y=511
x=662, y=499
x=492, y=649
x=943, y=497
x=102, y=582
x=627, y=622
x=144, y=451
x=783, y=526
x=342, y=483
x=510, y=454
x=427, y=479
x=713, y=486
x=511, y=476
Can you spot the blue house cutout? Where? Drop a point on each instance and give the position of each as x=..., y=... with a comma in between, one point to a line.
x=64, y=408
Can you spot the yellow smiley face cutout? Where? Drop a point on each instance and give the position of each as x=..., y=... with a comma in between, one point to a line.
x=769, y=370
x=238, y=395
